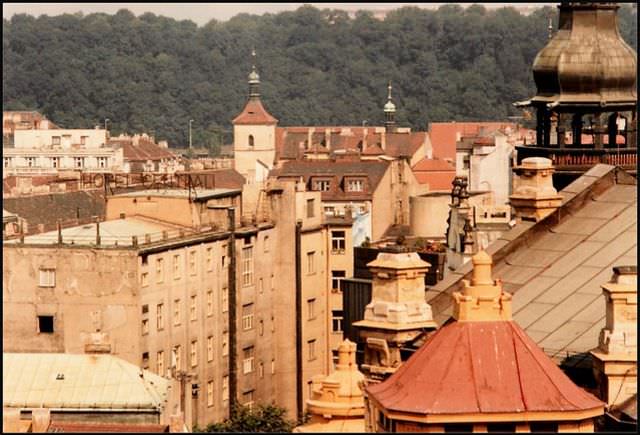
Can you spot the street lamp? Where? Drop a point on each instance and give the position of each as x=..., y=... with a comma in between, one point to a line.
x=190, y=121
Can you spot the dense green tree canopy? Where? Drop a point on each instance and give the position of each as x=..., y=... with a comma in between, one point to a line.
x=152, y=73
x=264, y=418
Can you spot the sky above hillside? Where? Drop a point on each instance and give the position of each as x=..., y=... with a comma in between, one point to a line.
x=201, y=13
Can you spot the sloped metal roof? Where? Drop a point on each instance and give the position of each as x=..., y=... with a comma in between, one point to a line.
x=68, y=381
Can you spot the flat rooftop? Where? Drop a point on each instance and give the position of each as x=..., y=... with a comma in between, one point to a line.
x=117, y=232
x=198, y=194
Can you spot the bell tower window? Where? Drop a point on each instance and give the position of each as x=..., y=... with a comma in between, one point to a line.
x=251, y=141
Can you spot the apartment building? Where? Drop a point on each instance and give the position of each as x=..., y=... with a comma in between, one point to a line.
x=239, y=311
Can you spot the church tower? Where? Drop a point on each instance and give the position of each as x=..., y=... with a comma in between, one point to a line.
x=254, y=134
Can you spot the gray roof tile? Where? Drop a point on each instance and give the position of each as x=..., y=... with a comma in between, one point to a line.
x=615, y=226
x=533, y=257
x=530, y=291
x=556, y=242
x=531, y=313
x=600, y=210
x=559, y=339
x=515, y=274
x=624, y=241
x=563, y=312
x=574, y=258
x=568, y=284
x=620, y=193
x=580, y=226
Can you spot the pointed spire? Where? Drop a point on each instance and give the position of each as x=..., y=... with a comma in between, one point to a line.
x=254, y=77
x=550, y=28
x=389, y=110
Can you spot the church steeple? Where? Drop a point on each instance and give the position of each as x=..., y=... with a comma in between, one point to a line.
x=389, y=111
x=254, y=78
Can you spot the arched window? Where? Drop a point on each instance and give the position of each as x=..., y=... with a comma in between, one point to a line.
x=250, y=140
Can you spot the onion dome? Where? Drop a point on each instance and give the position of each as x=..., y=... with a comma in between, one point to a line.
x=586, y=62
x=389, y=107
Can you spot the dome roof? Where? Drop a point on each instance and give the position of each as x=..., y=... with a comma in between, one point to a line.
x=389, y=107
x=586, y=62
x=254, y=77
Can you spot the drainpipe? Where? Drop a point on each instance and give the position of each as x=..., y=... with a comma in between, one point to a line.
x=299, y=380
x=233, y=369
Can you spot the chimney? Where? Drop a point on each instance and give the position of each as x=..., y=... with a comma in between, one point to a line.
x=482, y=298
x=615, y=359
x=40, y=420
x=534, y=196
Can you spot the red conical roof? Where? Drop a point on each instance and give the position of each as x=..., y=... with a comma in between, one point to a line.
x=254, y=113
x=481, y=367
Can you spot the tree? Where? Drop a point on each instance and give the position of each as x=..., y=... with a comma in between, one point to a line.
x=263, y=418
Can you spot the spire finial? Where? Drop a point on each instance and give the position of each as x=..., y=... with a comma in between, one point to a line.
x=389, y=89
x=254, y=77
x=550, y=28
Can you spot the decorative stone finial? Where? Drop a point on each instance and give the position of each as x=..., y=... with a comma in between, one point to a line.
x=482, y=299
x=389, y=110
x=534, y=196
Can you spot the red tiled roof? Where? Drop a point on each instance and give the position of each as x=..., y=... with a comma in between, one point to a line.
x=254, y=113
x=373, y=150
x=443, y=134
x=82, y=427
x=438, y=174
x=480, y=367
x=433, y=165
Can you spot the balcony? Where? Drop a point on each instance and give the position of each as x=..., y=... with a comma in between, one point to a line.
x=582, y=159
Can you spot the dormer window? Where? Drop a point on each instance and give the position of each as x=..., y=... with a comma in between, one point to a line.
x=322, y=185
x=251, y=141
x=355, y=185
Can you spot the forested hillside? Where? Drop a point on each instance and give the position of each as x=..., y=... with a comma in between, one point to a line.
x=152, y=73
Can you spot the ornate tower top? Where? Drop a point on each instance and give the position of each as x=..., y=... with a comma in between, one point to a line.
x=389, y=110
x=482, y=298
x=254, y=77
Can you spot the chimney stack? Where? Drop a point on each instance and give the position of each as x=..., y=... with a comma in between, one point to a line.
x=534, y=196
x=615, y=360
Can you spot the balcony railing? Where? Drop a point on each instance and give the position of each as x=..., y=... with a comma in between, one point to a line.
x=581, y=158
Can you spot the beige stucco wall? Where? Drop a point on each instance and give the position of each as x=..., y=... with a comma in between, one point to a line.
x=263, y=149
x=94, y=290
x=43, y=138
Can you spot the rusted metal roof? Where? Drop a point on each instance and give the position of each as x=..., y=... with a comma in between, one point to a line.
x=480, y=367
x=554, y=268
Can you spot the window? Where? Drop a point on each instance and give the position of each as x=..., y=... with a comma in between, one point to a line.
x=210, y=393
x=160, y=317
x=336, y=277
x=145, y=360
x=247, y=317
x=337, y=242
x=176, y=312
x=321, y=185
x=47, y=278
x=310, y=207
x=145, y=326
x=144, y=279
x=209, y=302
x=247, y=360
x=78, y=162
x=260, y=286
x=251, y=140
x=543, y=426
x=311, y=266
x=273, y=366
x=192, y=262
x=209, y=259
x=312, y=349
x=501, y=427
x=261, y=327
x=145, y=309
x=55, y=162
x=194, y=353
x=330, y=211
x=7, y=162
x=247, y=399
x=266, y=243
x=225, y=344
x=224, y=256
x=210, y=348
x=102, y=162
x=247, y=265
x=355, y=186
x=55, y=140
x=176, y=266
x=31, y=162
x=160, y=363
x=193, y=308
x=261, y=369
x=225, y=388
x=177, y=357
x=225, y=299
x=45, y=324
x=83, y=140
x=159, y=270
x=337, y=316
x=311, y=308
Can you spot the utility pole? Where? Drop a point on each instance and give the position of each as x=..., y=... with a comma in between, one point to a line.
x=190, y=121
